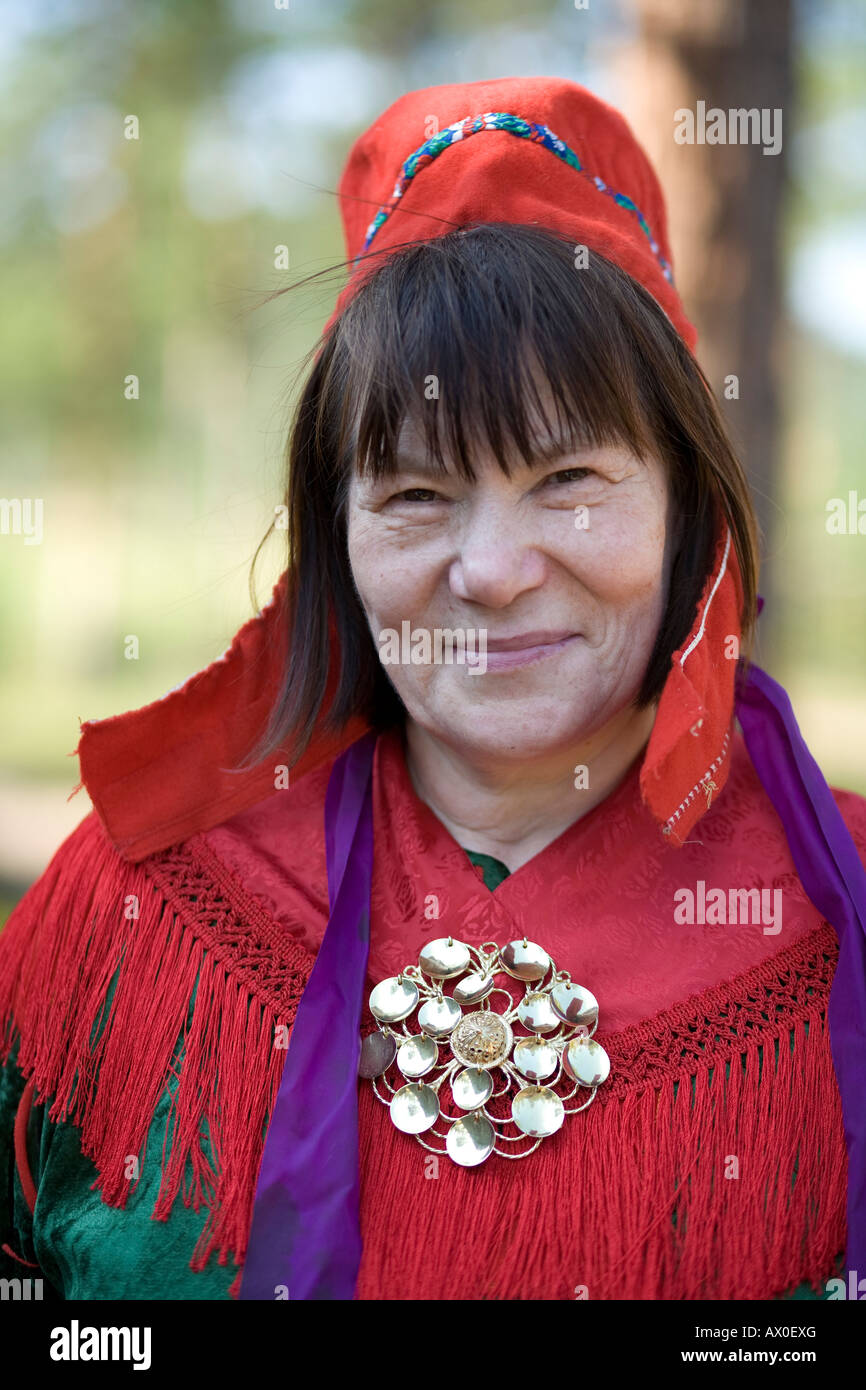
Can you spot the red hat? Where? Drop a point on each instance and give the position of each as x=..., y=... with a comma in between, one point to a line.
x=519, y=149
x=524, y=150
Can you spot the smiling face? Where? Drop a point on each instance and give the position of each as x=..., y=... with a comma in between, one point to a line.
x=563, y=564
x=498, y=320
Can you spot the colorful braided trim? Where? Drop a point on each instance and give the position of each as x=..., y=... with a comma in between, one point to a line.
x=526, y=130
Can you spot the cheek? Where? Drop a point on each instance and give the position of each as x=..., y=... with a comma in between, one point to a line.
x=378, y=559
x=365, y=561
x=621, y=560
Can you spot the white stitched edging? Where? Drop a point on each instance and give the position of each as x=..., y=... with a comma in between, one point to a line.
x=672, y=820
x=700, y=632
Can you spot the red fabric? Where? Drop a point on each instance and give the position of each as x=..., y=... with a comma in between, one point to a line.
x=638, y=1197
x=241, y=911
x=617, y=935
x=157, y=775
x=495, y=176
x=689, y=747
x=626, y=1201
x=162, y=773
x=22, y=1162
x=675, y=1001
x=187, y=954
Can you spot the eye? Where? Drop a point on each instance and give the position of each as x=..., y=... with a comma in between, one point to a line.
x=415, y=494
x=569, y=475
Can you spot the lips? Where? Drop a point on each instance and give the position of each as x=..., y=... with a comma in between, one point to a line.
x=505, y=653
x=525, y=641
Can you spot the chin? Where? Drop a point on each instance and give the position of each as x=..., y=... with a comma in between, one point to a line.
x=510, y=745
x=524, y=730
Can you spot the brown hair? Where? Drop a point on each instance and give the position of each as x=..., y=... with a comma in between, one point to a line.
x=478, y=308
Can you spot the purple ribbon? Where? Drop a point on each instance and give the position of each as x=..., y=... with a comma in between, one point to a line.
x=305, y=1231
x=832, y=874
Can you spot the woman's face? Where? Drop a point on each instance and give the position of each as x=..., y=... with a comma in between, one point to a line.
x=563, y=565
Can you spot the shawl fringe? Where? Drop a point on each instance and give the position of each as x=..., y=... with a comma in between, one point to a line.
x=201, y=980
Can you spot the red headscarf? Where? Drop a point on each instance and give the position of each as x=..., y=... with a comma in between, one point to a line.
x=524, y=150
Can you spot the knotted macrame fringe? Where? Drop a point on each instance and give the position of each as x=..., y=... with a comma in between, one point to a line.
x=177, y=1017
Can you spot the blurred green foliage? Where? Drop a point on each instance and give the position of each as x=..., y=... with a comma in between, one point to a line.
x=153, y=507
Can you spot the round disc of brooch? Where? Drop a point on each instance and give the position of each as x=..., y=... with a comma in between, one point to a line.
x=440, y=1039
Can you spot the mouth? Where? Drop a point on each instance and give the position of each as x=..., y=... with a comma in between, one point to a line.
x=506, y=653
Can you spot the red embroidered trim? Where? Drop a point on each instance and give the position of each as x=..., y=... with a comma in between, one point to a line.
x=747, y=1010
x=751, y=1009
x=272, y=965
x=714, y=766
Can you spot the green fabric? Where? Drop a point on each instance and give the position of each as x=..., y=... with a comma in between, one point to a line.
x=494, y=872
x=493, y=869
x=86, y=1249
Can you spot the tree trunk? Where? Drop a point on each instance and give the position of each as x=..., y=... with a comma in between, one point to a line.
x=725, y=204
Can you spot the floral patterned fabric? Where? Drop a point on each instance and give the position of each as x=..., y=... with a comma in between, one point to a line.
x=618, y=1204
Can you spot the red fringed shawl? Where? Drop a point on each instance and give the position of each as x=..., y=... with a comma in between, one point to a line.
x=712, y=1164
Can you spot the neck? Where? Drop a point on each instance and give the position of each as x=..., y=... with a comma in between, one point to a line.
x=512, y=811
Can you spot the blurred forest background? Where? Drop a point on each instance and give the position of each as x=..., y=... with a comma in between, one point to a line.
x=154, y=256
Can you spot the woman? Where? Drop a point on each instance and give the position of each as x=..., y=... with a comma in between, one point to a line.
x=470, y=784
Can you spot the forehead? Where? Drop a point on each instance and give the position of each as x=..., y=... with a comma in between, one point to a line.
x=479, y=412
x=538, y=406
x=550, y=436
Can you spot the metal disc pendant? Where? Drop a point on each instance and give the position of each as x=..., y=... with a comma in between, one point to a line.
x=535, y=1012
x=378, y=1051
x=524, y=961
x=417, y=1055
x=473, y=989
x=472, y=1088
x=444, y=957
x=482, y=1039
x=415, y=1108
x=534, y=1059
x=574, y=1004
x=586, y=1062
x=470, y=1140
x=537, y=1111
x=393, y=999
x=438, y=1016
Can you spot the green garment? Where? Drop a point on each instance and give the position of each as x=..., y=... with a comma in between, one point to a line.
x=84, y=1248
x=88, y=1250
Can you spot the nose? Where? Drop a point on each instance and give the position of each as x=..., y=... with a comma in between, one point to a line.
x=497, y=560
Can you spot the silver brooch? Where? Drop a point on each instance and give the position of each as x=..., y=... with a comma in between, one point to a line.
x=538, y=1043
